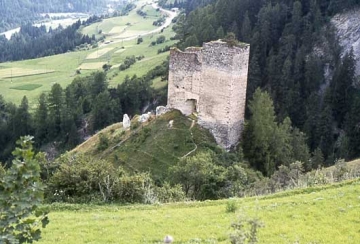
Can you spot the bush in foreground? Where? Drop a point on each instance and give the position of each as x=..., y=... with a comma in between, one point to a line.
x=21, y=193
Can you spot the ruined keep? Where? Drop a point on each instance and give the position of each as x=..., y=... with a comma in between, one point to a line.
x=211, y=81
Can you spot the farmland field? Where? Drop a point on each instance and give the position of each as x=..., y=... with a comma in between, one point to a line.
x=99, y=53
x=20, y=72
x=328, y=214
x=16, y=77
x=27, y=87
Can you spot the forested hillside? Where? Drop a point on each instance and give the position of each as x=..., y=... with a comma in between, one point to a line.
x=16, y=12
x=292, y=45
x=66, y=114
x=34, y=42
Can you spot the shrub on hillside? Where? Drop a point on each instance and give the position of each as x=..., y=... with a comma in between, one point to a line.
x=165, y=49
x=82, y=179
x=203, y=177
x=160, y=39
x=245, y=230
x=103, y=142
x=231, y=207
x=130, y=60
x=78, y=179
x=168, y=193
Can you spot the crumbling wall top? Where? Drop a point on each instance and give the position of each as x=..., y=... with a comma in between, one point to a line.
x=221, y=56
x=184, y=60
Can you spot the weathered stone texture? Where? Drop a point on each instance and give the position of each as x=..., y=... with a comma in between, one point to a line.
x=126, y=122
x=160, y=110
x=212, y=82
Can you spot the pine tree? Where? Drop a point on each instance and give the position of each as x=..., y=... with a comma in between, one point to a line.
x=41, y=120
x=220, y=33
x=342, y=87
x=325, y=132
x=317, y=159
x=101, y=111
x=23, y=120
x=296, y=18
x=99, y=84
x=259, y=133
x=55, y=104
x=246, y=28
x=353, y=129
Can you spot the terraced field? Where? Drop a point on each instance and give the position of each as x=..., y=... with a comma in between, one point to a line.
x=32, y=77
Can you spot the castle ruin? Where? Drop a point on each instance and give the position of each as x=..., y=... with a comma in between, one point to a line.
x=211, y=82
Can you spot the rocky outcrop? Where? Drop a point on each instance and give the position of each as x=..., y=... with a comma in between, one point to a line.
x=160, y=110
x=144, y=117
x=126, y=122
x=347, y=27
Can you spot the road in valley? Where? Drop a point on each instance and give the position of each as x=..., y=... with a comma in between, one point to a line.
x=170, y=16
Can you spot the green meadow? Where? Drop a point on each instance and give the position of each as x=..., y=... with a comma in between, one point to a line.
x=327, y=214
x=32, y=77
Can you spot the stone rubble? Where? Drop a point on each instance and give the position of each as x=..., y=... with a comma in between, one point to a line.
x=160, y=110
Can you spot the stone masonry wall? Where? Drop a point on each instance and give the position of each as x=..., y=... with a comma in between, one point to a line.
x=211, y=81
x=184, y=81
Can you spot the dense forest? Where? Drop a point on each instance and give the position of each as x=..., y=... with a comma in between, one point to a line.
x=19, y=12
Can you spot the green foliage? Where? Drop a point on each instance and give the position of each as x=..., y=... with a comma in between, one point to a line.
x=160, y=39
x=231, y=206
x=37, y=42
x=102, y=111
x=130, y=60
x=317, y=159
x=268, y=144
x=193, y=222
x=19, y=11
x=103, y=142
x=259, y=133
x=27, y=87
x=2, y=170
x=21, y=193
x=78, y=179
x=231, y=40
x=209, y=175
x=83, y=179
x=167, y=193
x=165, y=49
x=140, y=40
x=341, y=170
x=160, y=21
x=199, y=175
x=245, y=230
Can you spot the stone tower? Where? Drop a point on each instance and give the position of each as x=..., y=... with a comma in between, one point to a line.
x=211, y=81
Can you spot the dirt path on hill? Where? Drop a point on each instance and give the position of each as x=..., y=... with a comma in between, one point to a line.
x=170, y=16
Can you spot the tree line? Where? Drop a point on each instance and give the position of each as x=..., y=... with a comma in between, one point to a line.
x=14, y=13
x=34, y=42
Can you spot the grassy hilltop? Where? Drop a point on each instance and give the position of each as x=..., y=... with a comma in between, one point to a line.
x=153, y=146
x=32, y=77
x=328, y=214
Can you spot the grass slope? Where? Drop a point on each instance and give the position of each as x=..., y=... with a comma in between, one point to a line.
x=44, y=72
x=152, y=146
x=329, y=214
